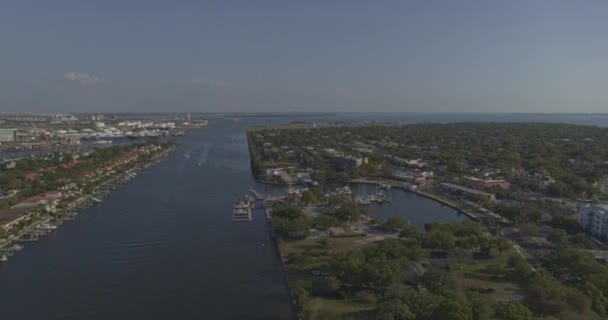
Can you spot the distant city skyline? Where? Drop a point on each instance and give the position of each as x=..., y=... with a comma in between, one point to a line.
x=312, y=56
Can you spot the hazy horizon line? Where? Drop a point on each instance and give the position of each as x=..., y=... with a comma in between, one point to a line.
x=302, y=112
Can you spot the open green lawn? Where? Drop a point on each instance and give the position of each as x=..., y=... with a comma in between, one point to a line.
x=308, y=255
x=345, y=309
x=492, y=274
x=313, y=245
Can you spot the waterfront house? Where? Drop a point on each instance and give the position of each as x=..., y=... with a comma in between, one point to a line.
x=12, y=216
x=292, y=199
x=32, y=176
x=47, y=202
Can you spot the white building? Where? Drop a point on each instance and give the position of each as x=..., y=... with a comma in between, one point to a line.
x=8, y=134
x=594, y=218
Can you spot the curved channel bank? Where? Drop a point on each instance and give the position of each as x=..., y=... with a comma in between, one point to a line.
x=399, y=185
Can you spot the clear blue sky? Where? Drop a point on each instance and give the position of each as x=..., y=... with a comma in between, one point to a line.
x=256, y=55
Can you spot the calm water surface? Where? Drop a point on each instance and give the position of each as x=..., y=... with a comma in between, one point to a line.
x=163, y=246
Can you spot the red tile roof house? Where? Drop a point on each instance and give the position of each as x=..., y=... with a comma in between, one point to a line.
x=9, y=217
x=48, y=202
x=32, y=176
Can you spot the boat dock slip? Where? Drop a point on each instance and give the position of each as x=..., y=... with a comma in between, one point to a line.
x=241, y=210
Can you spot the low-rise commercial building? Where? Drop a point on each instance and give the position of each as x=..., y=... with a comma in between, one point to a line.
x=482, y=184
x=594, y=219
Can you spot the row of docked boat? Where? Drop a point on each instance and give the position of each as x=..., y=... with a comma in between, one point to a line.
x=241, y=209
x=377, y=198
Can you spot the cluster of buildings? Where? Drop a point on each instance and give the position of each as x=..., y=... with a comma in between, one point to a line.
x=30, y=131
x=108, y=168
x=538, y=181
x=414, y=177
x=48, y=201
x=343, y=162
x=289, y=175
x=50, y=118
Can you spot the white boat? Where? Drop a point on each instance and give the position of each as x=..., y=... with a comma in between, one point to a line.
x=16, y=247
x=343, y=190
x=362, y=200
x=47, y=226
x=96, y=200
x=3, y=258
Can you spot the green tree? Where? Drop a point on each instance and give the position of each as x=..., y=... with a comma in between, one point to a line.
x=394, y=224
x=559, y=189
x=394, y=309
x=520, y=265
x=453, y=309
x=511, y=310
x=440, y=240
x=558, y=236
x=326, y=221
x=330, y=285
x=437, y=281
x=309, y=197
x=289, y=213
x=599, y=303
x=411, y=233
x=482, y=307
x=421, y=302
x=502, y=245
x=301, y=295
x=391, y=249
x=582, y=240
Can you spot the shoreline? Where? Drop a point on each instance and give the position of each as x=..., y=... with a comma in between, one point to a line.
x=268, y=218
x=397, y=185
x=36, y=229
x=430, y=196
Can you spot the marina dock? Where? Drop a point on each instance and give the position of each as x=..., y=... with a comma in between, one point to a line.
x=241, y=209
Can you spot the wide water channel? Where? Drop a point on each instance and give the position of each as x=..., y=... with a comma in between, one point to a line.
x=163, y=246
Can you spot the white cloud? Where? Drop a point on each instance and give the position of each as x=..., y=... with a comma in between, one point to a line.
x=82, y=78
